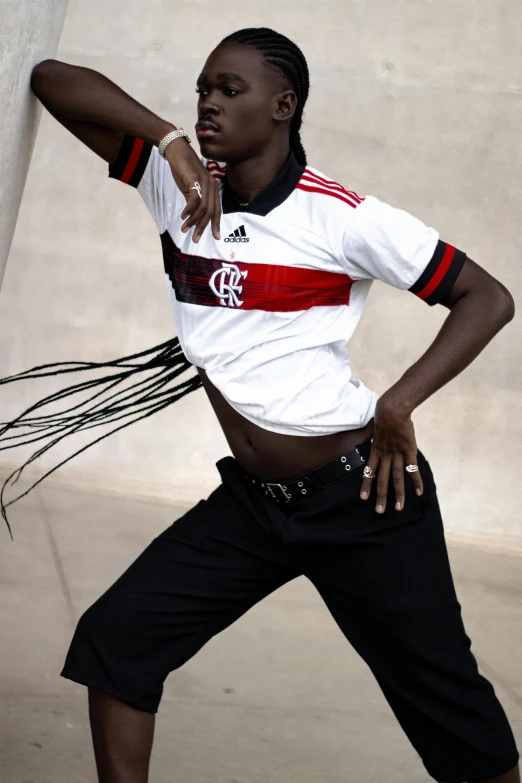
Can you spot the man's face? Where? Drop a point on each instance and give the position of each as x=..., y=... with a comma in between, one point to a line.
x=238, y=94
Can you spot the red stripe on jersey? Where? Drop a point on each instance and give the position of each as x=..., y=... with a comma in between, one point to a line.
x=441, y=270
x=289, y=288
x=310, y=176
x=326, y=183
x=246, y=286
x=357, y=198
x=333, y=193
x=315, y=181
x=128, y=171
x=213, y=165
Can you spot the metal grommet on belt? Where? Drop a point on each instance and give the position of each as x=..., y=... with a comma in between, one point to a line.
x=309, y=484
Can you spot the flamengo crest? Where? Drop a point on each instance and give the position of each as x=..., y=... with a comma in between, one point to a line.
x=225, y=283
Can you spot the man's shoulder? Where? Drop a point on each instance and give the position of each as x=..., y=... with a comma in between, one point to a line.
x=325, y=190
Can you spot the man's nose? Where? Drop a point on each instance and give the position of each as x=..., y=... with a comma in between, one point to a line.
x=208, y=106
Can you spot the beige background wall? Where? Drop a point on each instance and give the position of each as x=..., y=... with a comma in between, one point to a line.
x=419, y=103
x=29, y=32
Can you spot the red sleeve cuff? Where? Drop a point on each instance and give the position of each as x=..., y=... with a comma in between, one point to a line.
x=440, y=274
x=131, y=162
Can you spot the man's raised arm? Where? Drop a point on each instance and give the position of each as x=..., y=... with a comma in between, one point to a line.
x=100, y=113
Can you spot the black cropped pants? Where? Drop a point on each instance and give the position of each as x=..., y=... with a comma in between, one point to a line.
x=385, y=578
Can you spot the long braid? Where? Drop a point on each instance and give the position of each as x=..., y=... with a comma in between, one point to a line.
x=120, y=392
x=286, y=57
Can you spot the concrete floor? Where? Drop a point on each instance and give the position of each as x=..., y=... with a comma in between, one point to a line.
x=280, y=696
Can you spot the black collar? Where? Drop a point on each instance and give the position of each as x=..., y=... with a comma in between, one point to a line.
x=272, y=196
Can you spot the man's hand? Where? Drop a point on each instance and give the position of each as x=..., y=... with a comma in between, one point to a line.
x=394, y=446
x=187, y=169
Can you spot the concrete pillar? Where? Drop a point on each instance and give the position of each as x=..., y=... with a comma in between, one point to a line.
x=29, y=32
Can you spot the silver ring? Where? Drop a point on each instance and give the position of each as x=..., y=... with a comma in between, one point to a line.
x=412, y=468
x=197, y=187
x=368, y=472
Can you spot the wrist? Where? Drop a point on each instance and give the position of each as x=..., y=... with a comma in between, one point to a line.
x=393, y=405
x=168, y=142
x=172, y=149
x=163, y=130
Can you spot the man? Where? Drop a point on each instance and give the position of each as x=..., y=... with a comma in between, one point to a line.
x=266, y=289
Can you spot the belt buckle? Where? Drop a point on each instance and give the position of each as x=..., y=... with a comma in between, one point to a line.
x=283, y=489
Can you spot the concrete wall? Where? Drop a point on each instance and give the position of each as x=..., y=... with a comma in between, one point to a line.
x=419, y=103
x=29, y=32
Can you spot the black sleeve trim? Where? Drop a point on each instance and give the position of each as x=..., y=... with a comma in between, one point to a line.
x=131, y=162
x=440, y=274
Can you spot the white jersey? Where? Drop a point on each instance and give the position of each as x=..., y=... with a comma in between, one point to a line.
x=267, y=311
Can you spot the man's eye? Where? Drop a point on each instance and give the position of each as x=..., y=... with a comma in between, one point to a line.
x=226, y=90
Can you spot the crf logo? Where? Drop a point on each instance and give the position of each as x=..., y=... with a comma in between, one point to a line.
x=225, y=284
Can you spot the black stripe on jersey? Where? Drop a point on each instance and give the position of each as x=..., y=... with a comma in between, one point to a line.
x=132, y=161
x=440, y=274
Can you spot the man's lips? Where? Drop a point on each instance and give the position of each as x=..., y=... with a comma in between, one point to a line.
x=206, y=129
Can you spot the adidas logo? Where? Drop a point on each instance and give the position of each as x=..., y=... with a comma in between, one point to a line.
x=239, y=235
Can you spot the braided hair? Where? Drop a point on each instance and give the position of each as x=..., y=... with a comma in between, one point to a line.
x=286, y=57
x=111, y=395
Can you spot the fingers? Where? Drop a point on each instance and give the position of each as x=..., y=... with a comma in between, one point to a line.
x=398, y=481
x=199, y=212
x=212, y=203
x=216, y=219
x=394, y=450
x=415, y=477
x=193, y=204
x=383, y=478
x=366, y=486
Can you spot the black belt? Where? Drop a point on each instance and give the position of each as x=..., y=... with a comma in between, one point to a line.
x=295, y=489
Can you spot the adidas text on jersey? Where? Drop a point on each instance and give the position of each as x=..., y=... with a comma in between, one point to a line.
x=239, y=235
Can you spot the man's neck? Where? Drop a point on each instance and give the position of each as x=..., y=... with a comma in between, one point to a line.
x=250, y=177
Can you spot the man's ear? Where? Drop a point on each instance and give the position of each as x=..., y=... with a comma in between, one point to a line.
x=285, y=105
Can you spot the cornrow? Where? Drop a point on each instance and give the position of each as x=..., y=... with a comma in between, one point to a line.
x=286, y=57
x=135, y=387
